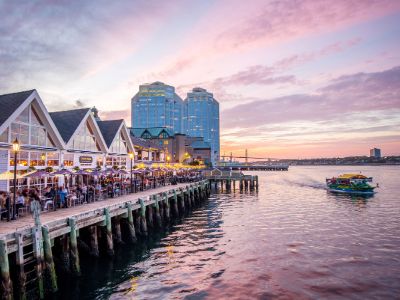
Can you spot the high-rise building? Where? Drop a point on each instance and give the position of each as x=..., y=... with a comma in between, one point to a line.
x=375, y=152
x=202, y=119
x=157, y=105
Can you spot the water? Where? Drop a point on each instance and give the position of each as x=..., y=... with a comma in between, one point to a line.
x=292, y=240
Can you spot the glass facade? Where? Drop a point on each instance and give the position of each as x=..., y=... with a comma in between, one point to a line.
x=202, y=119
x=157, y=105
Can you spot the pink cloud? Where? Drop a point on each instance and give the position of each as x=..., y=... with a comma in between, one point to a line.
x=346, y=94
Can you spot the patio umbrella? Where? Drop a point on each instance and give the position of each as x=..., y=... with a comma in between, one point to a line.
x=96, y=173
x=111, y=171
x=38, y=173
x=123, y=172
x=82, y=172
x=62, y=172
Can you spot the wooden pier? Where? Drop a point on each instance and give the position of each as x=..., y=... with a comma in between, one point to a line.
x=229, y=179
x=29, y=249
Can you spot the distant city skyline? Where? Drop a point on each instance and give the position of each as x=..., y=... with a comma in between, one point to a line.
x=308, y=78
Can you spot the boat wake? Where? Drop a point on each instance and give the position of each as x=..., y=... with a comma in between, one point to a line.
x=310, y=183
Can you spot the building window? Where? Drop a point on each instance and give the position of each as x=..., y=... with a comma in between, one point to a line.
x=109, y=161
x=22, y=159
x=53, y=159
x=37, y=159
x=29, y=130
x=85, y=139
x=119, y=145
x=4, y=136
x=68, y=160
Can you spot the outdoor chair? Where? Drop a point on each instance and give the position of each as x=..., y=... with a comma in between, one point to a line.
x=22, y=211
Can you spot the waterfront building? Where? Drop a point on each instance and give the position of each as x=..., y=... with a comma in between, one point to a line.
x=375, y=152
x=202, y=119
x=118, y=141
x=85, y=147
x=177, y=147
x=199, y=150
x=24, y=117
x=157, y=105
x=147, y=151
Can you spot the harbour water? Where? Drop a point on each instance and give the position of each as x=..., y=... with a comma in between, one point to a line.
x=291, y=240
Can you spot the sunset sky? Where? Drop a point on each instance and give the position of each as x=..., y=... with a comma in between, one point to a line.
x=294, y=78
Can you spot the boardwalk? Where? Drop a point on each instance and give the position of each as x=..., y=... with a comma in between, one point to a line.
x=8, y=228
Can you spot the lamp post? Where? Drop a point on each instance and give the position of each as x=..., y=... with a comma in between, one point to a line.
x=131, y=157
x=15, y=146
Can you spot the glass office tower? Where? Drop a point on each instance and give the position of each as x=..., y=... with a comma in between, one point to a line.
x=202, y=119
x=157, y=105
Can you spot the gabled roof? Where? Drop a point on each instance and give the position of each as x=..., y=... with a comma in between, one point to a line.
x=139, y=142
x=153, y=131
x=109, y=129
x=68, y=121
x=10, y=102
x=200, y=145
x=12, y=105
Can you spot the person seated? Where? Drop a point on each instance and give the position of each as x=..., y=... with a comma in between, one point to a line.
x=19, y=202
x=3, y=205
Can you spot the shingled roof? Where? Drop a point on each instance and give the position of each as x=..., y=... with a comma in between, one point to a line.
x=68, y=121
x=109, y=129
x=139, y=142
x=153, y=131
x=9, y=103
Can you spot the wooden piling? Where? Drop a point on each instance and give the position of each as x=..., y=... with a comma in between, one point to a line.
x=109, y=237
x=48, y=258
x=167, y=210
x=117, y=230
x=175, y=205
x=157, y=211
x=38, y=253
x=6, y=283
x=150, y=217
x=143, y=223
x=94, y=241
x=131, y=227
x=20, y=265
x=65, y=253
x=182, y=201
x=75, y=265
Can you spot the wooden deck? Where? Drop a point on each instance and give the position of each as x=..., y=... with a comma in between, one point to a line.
x=59, y=218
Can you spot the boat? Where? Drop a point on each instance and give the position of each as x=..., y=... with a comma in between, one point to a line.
x=351, y=184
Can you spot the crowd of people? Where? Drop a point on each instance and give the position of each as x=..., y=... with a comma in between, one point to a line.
x=58, y=197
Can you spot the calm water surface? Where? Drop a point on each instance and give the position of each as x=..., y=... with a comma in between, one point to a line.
x=291, y=240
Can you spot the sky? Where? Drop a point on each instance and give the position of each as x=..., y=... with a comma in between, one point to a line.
x=294, y=78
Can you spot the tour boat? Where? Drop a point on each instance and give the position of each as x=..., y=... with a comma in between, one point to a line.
x=351, y=184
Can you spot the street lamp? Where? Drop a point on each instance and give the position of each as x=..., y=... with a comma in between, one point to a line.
x=15, y=146
x=131, y=157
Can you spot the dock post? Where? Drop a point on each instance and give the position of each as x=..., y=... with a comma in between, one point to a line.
x=6, y=283
x=38, y=253
x=257, y=183
x=65, y=253
x=241, y=185
x=182, y=201
x=117, y=230
x=143, y=224
x=131, y=226
x=109, y=237
x=94, y=241
x=20, y=265
x=76, y=268
x=150, y=216
x=175, y=205
x=48, y=257
x=187, y=194
x=157, y=211
x=167, y=211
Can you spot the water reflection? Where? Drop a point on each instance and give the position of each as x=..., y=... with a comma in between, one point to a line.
x=291, y=240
